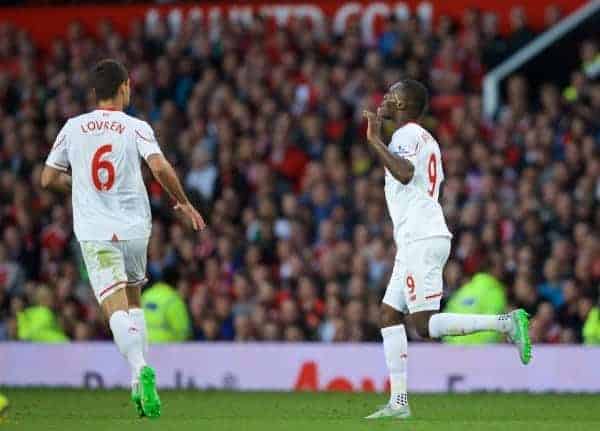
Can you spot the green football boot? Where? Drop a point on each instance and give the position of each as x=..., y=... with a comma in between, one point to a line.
x=520, y=334
x=136, y=397
x=149, y=396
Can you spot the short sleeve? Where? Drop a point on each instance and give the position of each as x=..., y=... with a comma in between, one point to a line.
x=145, y=140
x=405, y=144
x=58, y=157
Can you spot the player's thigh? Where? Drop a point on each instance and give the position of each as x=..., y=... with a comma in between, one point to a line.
x=105, y=266
x=394, y=293
x=424, y=275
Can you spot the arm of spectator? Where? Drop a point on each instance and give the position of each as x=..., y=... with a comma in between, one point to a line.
x=166, y=176
x=400, y=168
x=55, y=179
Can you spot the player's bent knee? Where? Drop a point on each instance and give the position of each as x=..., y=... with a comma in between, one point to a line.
x=420, y=322
x=423, y=329
x=389, y=317
x=116, y=301
x=134, y=296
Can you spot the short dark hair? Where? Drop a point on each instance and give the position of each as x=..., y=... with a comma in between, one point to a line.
x=416, y=95
x=106, y=78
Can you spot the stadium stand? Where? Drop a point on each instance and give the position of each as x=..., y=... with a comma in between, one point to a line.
x=264, y=127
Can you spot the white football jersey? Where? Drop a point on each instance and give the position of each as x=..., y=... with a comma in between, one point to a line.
x=104, y=149
x=414, y=207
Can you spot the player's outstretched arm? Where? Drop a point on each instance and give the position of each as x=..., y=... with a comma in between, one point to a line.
x=166, y=176
x=55, y=179
x=402, y=169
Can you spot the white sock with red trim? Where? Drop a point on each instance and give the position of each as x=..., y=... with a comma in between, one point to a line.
x=395, y=348
x=442, y=324
x=129, y=341
x=137, y=316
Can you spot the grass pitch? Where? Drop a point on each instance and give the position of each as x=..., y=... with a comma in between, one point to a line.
x=91, y=410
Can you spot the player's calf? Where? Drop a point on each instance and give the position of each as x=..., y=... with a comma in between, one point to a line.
x=515, y=325
x=442, y=324
x=395, y=345
x=128, y=338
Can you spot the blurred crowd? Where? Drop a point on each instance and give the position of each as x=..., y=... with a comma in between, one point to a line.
x=264, y=127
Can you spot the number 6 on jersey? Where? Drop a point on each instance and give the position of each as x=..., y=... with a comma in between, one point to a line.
x=106, y=165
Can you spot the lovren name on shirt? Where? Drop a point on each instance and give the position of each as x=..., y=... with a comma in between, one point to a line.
x=99, y=125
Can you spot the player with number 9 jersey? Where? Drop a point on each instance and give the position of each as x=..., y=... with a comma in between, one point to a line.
x=104, y=149
x=413, y=177
x=420, y=231
x=413, y=207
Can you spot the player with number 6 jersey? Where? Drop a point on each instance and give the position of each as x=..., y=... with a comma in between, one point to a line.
x=413, y=177
x=97, y=157
x=104, y=149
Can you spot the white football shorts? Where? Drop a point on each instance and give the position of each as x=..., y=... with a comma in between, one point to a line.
x=113, y=265
x=417, y=282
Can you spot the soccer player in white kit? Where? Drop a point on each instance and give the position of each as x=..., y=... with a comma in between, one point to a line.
x=413, y=176
x=111, y=213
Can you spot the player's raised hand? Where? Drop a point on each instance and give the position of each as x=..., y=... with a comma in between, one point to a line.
x=192, y=213
x=373, y=125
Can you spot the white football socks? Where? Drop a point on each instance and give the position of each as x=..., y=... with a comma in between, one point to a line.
x=138, y=319
x=395, y=347
x=129, y=341
x=442, y=324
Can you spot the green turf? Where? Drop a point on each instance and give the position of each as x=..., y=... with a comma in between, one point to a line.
x=93, y=410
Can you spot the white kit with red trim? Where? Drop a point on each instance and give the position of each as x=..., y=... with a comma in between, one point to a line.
x=103, y=149
x=414, y=207
x=420, y=231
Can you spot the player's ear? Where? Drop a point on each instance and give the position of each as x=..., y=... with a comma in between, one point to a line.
x=124, y=87
x=124, y=91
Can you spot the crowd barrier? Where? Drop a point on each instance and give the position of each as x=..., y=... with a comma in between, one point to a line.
x=305, y=366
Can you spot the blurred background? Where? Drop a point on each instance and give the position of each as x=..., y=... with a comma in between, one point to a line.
x=259, y=108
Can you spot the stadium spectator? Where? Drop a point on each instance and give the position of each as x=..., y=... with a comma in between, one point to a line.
x=264, y=125
x=521, y=34
x=38, y=323
x=167, y=318
x=591, y=329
